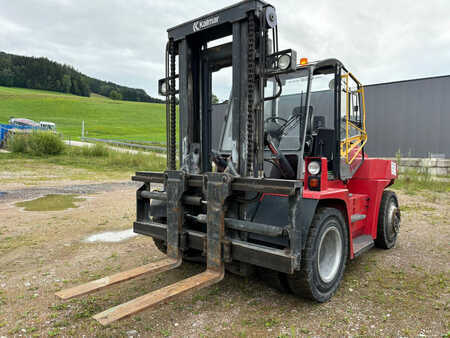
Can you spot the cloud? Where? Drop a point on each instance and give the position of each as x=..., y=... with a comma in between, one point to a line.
x=124, y=41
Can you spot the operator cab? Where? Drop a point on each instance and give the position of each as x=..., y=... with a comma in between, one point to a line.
x=302, y=110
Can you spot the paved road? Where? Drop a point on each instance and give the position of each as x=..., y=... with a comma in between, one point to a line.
x=123, y=150
x=78, y=143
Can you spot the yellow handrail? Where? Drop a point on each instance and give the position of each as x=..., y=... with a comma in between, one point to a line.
x=349, y=143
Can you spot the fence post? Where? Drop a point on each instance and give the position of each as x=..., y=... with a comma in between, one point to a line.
x=82, y=129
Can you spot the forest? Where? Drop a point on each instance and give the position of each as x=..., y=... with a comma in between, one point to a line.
x=42, y=73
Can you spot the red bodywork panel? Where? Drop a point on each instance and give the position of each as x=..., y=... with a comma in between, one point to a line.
x=360, y=195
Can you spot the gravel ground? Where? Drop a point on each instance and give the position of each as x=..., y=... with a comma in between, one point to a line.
x=398, y=292
x=82, y=189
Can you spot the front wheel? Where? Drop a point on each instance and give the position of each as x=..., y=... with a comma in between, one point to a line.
x=159, y=243
x=324, y=257
x=190, y=255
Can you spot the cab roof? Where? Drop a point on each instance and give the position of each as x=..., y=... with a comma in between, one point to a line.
x=320, y=64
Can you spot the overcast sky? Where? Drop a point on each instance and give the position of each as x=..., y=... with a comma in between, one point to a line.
x=124, y=41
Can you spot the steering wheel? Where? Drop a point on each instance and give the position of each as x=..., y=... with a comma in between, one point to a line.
x=274, y=118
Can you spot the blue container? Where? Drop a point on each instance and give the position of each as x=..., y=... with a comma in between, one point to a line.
x=4, y=128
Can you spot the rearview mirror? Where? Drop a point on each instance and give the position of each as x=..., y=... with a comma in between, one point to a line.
x=331, y=84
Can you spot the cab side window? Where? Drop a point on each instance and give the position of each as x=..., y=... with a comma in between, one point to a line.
x=350, y=107
x=353, y=134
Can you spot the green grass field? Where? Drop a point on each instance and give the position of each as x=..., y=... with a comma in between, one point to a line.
x=103, y=117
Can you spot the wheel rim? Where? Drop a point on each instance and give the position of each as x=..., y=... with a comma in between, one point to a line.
x=393, y=224
x=330, y=254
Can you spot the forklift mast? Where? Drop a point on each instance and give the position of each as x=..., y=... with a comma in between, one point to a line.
x=249, y=23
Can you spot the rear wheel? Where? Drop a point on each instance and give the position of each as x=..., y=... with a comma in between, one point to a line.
x=324, y=257
x=388, y=221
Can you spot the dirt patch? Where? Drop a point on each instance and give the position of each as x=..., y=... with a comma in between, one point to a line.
x=398, y=292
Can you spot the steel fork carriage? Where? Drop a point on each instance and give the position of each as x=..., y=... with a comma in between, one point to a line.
x=217, y=247
x=214, y=244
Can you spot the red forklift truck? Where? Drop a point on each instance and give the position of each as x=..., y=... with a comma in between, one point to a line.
x=288, y=190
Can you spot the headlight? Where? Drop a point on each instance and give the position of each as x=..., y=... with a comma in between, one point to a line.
x=163, y=87
x=313, y=168
x=284, y=61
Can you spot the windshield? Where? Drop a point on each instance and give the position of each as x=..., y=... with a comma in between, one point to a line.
x=291, y=104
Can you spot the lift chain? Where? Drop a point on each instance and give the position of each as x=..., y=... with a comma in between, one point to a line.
x=251, y=72
x=172, y=142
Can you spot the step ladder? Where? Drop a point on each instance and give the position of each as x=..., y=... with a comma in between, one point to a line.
x=362, y=244
x=218, y=189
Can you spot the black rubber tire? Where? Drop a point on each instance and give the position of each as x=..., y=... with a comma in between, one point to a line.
x=190, y=255
x=386, y=235
x=274, y=279
x=307, y=282
x=160, y=244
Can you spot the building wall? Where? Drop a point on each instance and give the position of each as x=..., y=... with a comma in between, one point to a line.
x=410, y=116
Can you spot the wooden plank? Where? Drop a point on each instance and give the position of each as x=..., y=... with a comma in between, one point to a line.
x=156, y=267
x=136, y=305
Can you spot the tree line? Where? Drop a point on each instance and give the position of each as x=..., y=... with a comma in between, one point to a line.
x=41, y=73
